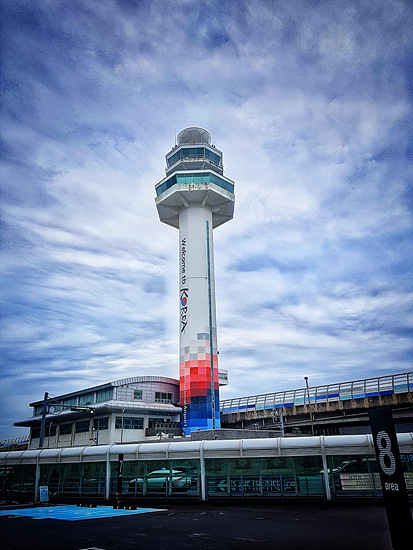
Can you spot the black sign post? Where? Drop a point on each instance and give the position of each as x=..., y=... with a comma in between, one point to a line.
x=119, y=480
x=393, y=484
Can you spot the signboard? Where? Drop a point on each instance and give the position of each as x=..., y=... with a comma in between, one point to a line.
x=44, y=493
x=360, y=482
x=392, y=479
x=363, y=482
x=257, y=485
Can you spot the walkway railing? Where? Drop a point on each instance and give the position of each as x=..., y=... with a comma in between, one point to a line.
x=7, y=444
x=369, y=387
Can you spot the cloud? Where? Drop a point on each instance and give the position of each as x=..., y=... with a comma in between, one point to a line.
x=310, y=104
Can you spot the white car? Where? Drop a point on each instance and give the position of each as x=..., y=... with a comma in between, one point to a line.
x=182, y=479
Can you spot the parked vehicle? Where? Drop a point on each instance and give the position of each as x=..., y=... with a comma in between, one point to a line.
x=180, y=478
x=356, y=475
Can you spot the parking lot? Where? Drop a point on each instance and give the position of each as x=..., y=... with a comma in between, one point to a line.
x=281, y=527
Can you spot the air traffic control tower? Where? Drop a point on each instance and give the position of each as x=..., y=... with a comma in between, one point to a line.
x=195, y=197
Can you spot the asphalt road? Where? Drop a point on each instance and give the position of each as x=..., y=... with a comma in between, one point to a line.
x=247, y=527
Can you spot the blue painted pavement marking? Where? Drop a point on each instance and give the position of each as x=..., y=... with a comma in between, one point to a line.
x=73, y=513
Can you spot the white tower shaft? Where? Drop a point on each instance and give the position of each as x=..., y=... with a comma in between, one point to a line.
x=198, y=334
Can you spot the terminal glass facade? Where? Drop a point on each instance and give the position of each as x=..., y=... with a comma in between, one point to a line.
x=238, y=478
x=129, y=423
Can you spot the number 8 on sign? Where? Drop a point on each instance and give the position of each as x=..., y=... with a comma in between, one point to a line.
x=388, y=465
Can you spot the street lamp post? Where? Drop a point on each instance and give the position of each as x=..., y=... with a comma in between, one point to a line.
x=43, y=421
x=309, y=405
x=49, y=404
x=50, y=432
x=121, y=431
x=278, y=418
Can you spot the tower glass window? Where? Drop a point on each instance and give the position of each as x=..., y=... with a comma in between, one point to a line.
x=202, y=177
x=196, y=153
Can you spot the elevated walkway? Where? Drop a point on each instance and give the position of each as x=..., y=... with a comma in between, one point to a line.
x=332, y=408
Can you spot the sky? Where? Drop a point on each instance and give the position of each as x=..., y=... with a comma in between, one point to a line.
x=311, y=104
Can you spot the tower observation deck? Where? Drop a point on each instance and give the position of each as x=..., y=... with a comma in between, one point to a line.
x=195, y=197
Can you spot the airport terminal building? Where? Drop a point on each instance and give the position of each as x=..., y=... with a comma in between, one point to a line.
x=140, y=408
x=124, y=438
x=131, y=410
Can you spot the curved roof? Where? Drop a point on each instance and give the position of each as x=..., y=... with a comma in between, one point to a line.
x=194, y=135
x=235, y=448
x=115, y=383
x=136, y=379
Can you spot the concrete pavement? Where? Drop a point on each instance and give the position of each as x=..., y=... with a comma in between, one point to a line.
x=237, y=527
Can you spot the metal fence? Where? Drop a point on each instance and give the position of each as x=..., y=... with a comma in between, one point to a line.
x=370, y=387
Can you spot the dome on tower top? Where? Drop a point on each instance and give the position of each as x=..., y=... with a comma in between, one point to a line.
x=194, y=135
